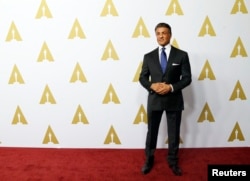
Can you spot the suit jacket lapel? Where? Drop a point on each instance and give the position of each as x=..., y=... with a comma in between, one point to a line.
x=170, y=57
x=156, y=58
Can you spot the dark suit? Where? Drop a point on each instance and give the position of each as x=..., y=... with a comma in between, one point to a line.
x=178, y=74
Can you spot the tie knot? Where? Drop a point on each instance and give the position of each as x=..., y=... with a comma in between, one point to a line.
x=163, y=48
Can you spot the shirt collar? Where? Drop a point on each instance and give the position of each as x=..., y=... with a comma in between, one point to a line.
x=168, y=47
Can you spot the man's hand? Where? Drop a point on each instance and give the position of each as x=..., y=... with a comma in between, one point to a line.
x=161, y=88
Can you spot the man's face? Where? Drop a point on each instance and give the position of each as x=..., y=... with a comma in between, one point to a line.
x=163, y=36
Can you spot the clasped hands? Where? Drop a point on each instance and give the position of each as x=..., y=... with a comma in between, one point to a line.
x=161, y=88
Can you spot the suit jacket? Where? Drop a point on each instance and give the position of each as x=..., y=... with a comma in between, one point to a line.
x=178, y=73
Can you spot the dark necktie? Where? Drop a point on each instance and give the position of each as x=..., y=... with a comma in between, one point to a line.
x=163, y=60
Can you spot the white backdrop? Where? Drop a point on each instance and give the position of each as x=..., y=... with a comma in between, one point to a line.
x=69, y=72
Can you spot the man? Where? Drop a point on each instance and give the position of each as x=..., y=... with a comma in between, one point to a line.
x=164, y=85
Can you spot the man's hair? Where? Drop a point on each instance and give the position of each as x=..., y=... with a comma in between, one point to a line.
x=165, y=25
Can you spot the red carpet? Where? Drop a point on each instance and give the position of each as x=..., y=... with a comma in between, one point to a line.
x=34, y=164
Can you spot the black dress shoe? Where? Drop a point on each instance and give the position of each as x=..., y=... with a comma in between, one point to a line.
x=176, y=170
x=148, y=165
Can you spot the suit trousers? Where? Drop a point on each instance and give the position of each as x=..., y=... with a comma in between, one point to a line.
x=173, y=128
